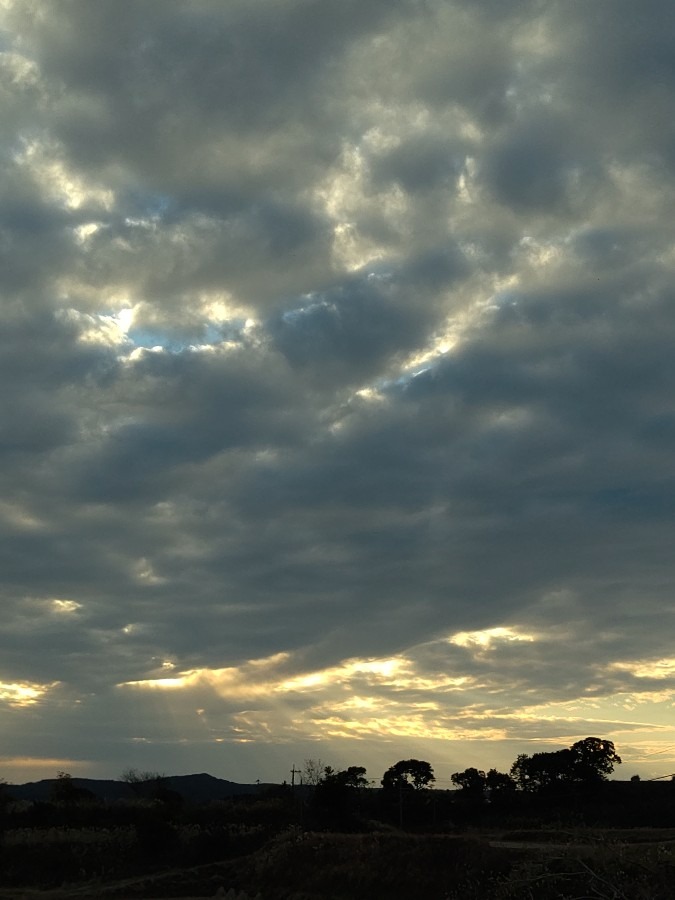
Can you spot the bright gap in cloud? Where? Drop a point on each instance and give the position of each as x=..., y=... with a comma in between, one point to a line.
x=18, y=517
x=658, y=668
x=46, y=163
x=216, y=322
x=422, y=694
x=64, y=607
x=483, y=640
x=22, y=694
x=402, y=672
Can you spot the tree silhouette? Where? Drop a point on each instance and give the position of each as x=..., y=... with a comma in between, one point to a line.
x=64, y=792
x=408, y=774
x=593, y=759
x=586, y=762
x=337, y=794
x=472, y=781
x=542, y=770
x=499, y=784
x=313, y=771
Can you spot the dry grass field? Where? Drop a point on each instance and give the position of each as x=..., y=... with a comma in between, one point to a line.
x=634, y=864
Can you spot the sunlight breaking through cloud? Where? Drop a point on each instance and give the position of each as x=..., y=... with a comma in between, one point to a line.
x=21, y=695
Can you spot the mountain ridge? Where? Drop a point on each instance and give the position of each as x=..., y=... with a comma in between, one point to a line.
x=196, y=788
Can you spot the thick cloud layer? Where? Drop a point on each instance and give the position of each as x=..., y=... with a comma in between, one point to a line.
x=337, y=382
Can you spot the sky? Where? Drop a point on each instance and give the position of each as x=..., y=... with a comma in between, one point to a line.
x=337, y=408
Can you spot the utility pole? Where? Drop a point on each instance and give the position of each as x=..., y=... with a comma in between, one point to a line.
x=297, y=801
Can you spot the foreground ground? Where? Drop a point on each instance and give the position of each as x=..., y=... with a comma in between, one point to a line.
x=637, y=864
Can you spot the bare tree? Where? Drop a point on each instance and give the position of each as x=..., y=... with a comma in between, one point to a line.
x=313, y=771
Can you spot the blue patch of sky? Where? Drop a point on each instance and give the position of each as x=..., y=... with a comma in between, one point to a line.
x=507, y=298
x=209, y=335
x=309, y=303
x=313, y=303
x=403, y=381
x=6, y=40
x=150, y=337
x=144, y=204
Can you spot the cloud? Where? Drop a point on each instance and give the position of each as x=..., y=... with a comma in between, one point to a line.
x=355, y=331
x=336, y=351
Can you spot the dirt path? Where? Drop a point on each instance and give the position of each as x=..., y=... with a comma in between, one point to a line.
x=567, y=846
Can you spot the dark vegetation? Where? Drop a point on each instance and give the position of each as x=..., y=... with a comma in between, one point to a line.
x=553, y=827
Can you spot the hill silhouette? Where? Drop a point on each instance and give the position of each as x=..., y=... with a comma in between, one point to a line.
x=198, y=788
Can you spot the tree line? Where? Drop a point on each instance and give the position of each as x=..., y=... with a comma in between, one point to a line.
x=585, y=763
x=563, y=785
x=404, y=788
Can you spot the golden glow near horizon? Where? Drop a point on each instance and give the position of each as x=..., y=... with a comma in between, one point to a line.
x=402, y=697
x=261, y=677
x=657, y=668
x=395, y=676
x=356, y=698
x=232, y=681
x=40, y=767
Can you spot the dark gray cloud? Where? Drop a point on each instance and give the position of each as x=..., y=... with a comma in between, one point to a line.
x=336, y=366
x=354, y=331
x=537, y=164
x=422, y=162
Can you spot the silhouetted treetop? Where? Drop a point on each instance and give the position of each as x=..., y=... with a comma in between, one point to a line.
x=472, y=781
x=408, y=774
x=585, y=762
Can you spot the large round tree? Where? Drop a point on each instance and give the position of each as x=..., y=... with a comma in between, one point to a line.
x=408, y=774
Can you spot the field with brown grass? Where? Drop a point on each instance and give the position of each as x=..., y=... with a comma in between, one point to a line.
x=603, y=864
